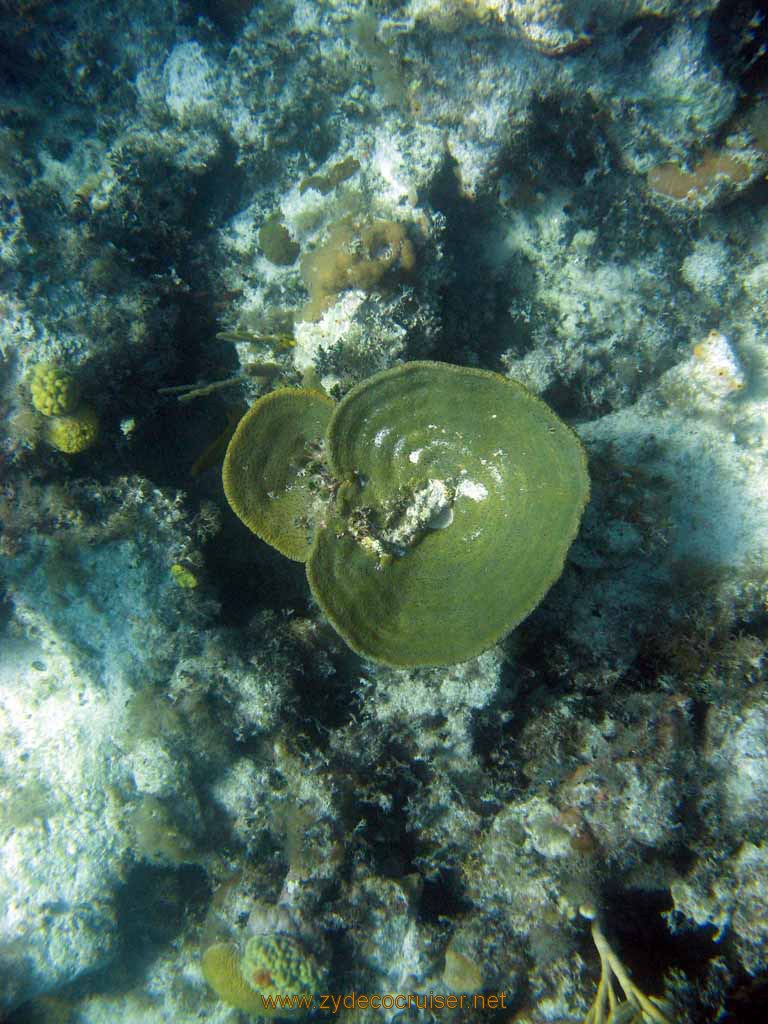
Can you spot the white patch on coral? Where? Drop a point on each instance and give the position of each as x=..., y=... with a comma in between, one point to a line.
x=389, y=164
x=471, y=489
x=337, y=324
x=306, y=17
x=355, y=331
x=154, y=770
x=718, y=366
x=707, y=266
x=240, y=234
x=189, y=78
x=712, y=374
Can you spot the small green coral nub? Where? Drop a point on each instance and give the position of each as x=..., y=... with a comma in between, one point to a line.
x=74, y=433
x=275, y=977
x=54, y=391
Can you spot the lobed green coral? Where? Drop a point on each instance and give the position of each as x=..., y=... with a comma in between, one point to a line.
x=433, y=506
x=269, y=476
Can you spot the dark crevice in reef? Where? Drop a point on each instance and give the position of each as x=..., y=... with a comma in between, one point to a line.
x=390, y=846
x=381, y=833
x=638, y=930
x=171, y=435
x=381, y=807
x=747, y=1000
x=155, y=904
x=325, y=686
x=635, y=926
x=738, y=37
x=227, y=16
x=474, y=298
x=252, y=576
x=164, y=244
x=442, y=897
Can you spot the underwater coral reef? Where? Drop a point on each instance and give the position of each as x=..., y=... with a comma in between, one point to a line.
x=383, y=511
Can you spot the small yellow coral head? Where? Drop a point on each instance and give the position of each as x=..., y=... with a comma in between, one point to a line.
x=74, y=433
x=183, y=576
x=54, y=391
x=276, y=976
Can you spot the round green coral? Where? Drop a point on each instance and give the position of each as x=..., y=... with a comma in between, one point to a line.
x=272, y=473
x=280, y=965
x=464, y=492
x=275, y=977
x=54, y=392
x=74, y=433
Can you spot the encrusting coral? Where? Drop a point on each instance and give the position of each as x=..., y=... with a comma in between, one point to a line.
x=276, y=242
x=364, y=256
x=733, y=165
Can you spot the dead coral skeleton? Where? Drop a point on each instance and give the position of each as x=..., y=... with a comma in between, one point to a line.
x=608, y=1007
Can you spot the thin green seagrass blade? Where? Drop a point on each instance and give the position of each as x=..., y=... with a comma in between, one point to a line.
x=272, y=475
x=461, y=495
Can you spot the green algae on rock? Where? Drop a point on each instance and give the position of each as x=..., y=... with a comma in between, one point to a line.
x=276, y=242
x=440, y=515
